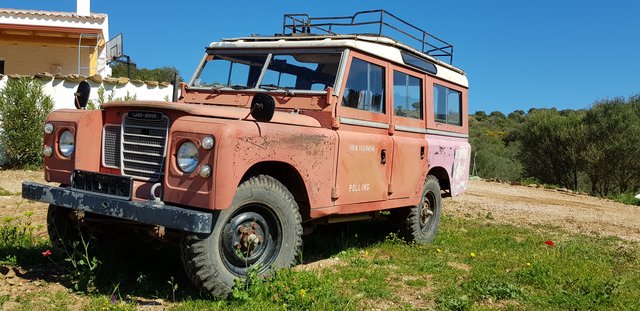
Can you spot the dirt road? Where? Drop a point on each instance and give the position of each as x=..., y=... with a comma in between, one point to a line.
x=521, y=205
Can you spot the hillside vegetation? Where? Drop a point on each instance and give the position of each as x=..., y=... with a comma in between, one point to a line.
x=595, y=150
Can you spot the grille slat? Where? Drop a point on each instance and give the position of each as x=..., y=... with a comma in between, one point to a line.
x=140, y=171
x=143, y=162
x=143, y=153
x=137, y=147
x=137, y=143
x=141, y=135
x=143, y=127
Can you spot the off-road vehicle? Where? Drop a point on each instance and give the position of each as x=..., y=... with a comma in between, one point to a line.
x=272, y=136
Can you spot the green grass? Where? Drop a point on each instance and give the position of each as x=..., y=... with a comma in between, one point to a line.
x=511, y=268
x=18, y=243
x=472, y=265
x=5, y=192
x=45, y=300
x=628, y=198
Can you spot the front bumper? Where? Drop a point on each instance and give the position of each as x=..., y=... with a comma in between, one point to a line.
x=151, y=213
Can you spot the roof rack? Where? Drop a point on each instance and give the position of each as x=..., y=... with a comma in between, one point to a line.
x=300, y=24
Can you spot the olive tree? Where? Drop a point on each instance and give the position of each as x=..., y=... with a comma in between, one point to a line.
x=23, y=110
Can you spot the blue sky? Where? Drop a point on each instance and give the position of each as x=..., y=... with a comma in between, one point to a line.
x=517, y=54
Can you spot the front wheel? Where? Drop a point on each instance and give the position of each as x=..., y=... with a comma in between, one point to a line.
x=262, y=229
x=421, y=221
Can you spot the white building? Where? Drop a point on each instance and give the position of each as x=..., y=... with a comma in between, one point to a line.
x=57, y=42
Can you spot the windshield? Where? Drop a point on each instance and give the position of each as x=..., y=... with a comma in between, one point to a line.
x=285, y=71
x=239, y=71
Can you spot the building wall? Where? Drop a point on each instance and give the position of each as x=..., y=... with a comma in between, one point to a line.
x=55, y=21
x=32, y=59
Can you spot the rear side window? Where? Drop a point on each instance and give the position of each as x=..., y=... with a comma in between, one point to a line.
x=365, y=87
x=447, y=105
x=407, y=96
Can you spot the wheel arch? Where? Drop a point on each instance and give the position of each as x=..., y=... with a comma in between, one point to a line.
x=442, y=175
x=289, y=176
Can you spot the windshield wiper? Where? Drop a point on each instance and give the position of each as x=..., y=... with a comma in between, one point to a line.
x=214, y=87
x=273, y=87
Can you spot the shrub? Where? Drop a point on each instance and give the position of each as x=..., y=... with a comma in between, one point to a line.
x=628, y=198
x=23, y=110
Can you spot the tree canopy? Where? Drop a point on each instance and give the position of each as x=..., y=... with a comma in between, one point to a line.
x=595, y=150
x=161, y=74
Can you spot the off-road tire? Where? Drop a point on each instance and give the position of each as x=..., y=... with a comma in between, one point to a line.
x=62, y=229
x=205, y=257
x=421, y=221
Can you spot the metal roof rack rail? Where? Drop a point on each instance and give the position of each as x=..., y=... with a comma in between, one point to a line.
x=303, y=24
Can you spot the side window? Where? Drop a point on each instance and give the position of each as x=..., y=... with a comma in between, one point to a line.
x=447, y=105
x=407, y=95
x=365, y=87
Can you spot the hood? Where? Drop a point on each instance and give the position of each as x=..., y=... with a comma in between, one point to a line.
x=225, y=112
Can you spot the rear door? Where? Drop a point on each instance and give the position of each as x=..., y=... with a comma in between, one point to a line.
x=365, y=149
x=410, y=156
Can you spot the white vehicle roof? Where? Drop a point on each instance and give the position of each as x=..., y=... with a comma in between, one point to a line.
x=381, y=46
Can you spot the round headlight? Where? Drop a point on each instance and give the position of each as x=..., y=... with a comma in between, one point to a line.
x=207, y=142
x=187, y=157
x=66, y=144
x=48, y=128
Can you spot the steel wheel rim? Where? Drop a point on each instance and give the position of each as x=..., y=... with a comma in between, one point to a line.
x=427, y=210
x=251, y=236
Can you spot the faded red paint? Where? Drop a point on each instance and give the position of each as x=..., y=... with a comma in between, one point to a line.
x=340, y=164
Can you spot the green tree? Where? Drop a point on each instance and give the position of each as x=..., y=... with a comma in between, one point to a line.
x=162, y=74
x=551, y=146
x=493, y=155
x=612, y=153
x=23, y=111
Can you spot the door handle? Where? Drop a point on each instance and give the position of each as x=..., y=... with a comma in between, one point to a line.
x=422, y=153
x=383, y=156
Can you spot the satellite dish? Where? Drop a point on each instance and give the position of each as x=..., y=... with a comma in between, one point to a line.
x=82, y=95
x=262, y=107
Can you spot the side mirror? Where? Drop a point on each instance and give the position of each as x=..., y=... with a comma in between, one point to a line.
x=263, y=107
x=82, y=95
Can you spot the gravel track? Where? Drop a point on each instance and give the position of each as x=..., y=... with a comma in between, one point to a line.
x=530, y=206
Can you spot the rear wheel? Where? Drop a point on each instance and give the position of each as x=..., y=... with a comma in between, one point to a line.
x=420, y=224
x=261, y=229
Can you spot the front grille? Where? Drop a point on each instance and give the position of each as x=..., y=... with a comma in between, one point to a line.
x=111, y=146
x=144, y=144
x=137, y=147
